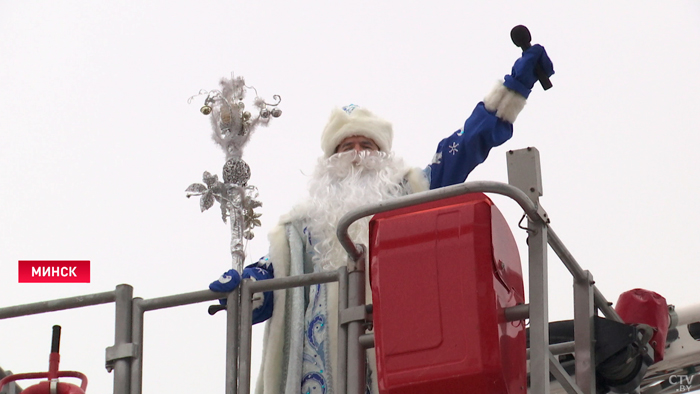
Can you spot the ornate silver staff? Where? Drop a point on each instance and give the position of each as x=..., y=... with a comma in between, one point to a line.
x=232, y=127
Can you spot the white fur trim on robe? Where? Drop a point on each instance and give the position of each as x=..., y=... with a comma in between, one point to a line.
x=417, y=180
x=286, y=244
x=270, y=375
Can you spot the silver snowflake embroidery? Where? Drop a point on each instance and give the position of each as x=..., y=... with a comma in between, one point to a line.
x=453, y=148
x=437, y=158
x=260, y=271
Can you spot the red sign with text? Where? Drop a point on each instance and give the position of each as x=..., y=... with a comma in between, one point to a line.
x=54, y=271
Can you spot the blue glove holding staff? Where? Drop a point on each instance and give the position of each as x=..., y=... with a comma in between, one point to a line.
x=262, y=308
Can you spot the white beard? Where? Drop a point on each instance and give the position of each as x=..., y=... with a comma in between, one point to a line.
x=340, y=184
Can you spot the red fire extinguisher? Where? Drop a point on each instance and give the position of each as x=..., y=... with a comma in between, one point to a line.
x=52, y=385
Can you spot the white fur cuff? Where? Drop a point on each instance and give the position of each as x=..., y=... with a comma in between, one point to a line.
x=505, y=102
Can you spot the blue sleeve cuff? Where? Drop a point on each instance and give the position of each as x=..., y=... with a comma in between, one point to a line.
x=513, y=84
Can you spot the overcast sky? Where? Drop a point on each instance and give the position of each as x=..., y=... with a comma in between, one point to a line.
x=98, y=143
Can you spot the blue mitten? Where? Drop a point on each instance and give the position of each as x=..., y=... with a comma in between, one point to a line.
x=256, y=272
x=263, y=269
x=262, y=308
x=226, y=283
x=523, y=76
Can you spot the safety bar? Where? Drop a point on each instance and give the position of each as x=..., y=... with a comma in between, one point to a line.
x=57, y=305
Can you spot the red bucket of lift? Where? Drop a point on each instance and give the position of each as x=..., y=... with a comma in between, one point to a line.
x=441, y=275
x=52, y=385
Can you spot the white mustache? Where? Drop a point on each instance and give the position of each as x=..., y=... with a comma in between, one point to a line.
x=341, y=183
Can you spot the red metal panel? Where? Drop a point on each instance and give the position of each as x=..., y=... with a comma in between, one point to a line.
x=441, y=274
x=646, y=307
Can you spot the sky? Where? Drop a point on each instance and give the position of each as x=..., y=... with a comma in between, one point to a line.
x=98, y=143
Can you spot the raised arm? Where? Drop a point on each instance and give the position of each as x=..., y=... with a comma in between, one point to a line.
x=490, y=123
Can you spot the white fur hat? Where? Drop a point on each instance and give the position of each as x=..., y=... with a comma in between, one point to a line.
x=351, y=121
